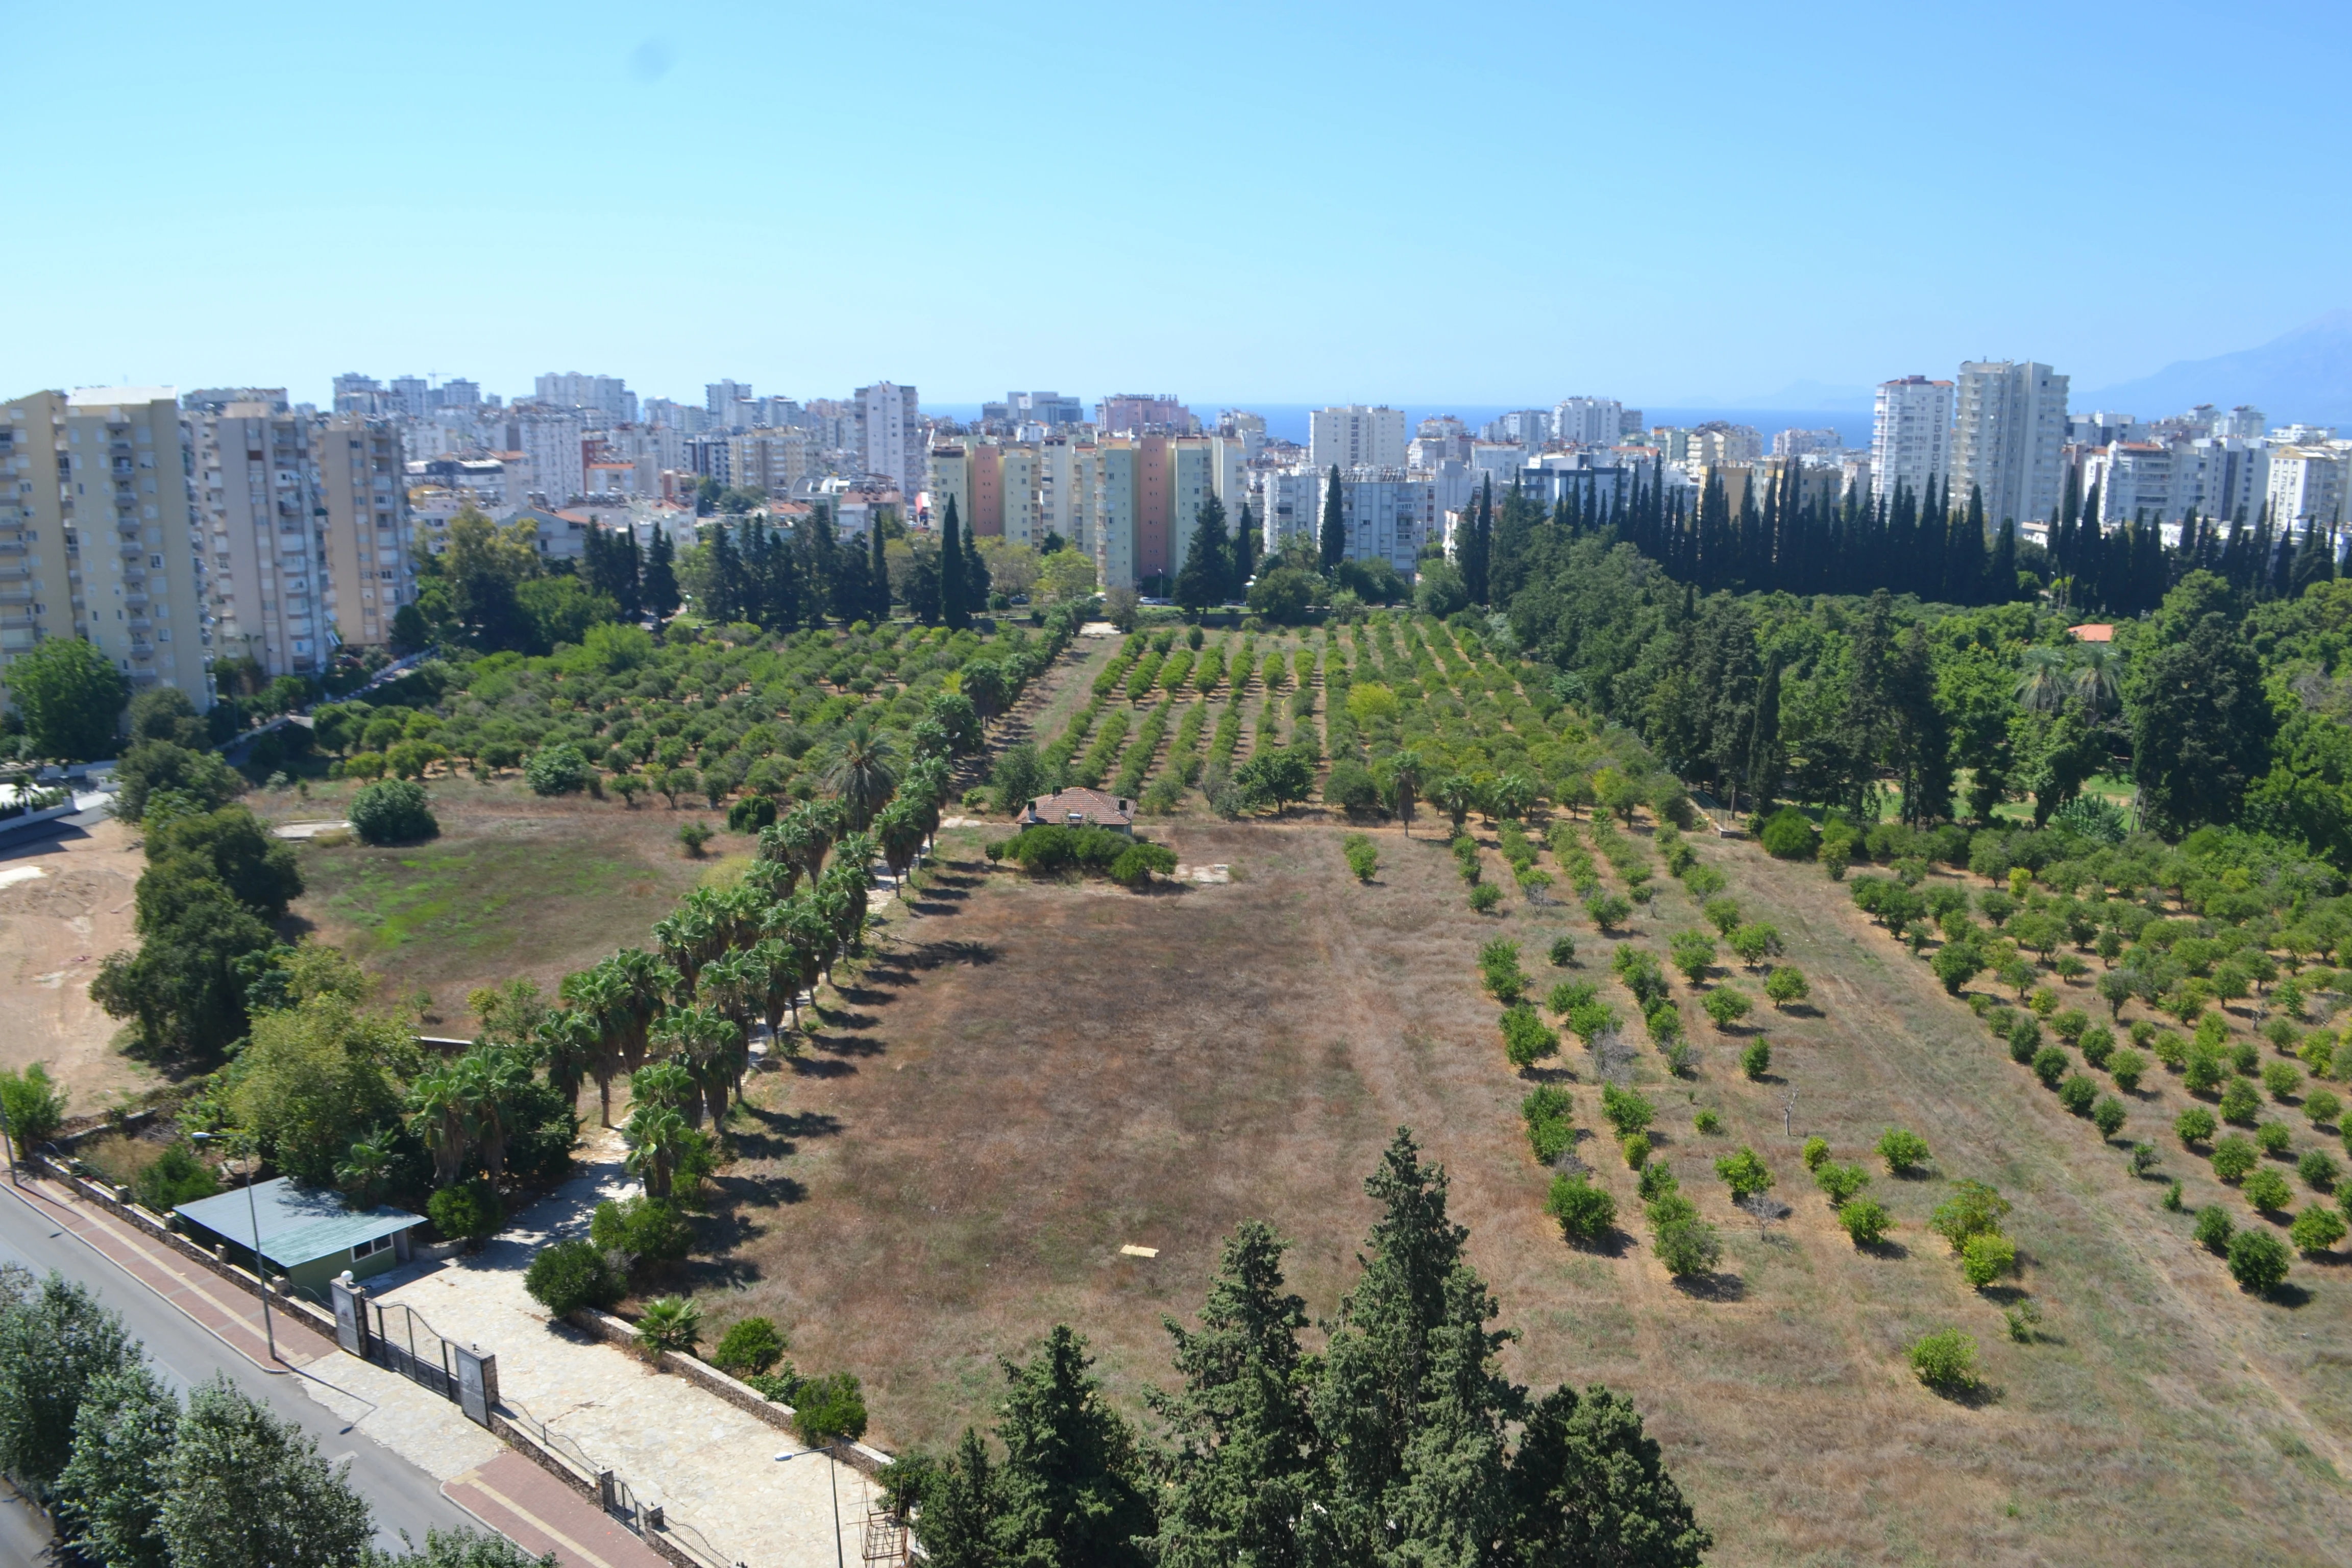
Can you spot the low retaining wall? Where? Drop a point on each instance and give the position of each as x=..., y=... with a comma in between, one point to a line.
x=523, y=1443
x=700, y=1373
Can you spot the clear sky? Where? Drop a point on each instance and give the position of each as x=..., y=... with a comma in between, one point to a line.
x=1281, y=203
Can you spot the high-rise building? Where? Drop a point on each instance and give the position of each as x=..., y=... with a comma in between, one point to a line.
x=2243, y=422
x=2310, y=484
x=1356, y=436
x=369, y=572
x=1588, y=421
x=1910, y=436
x=1289, y=505
x=2008, y=429
x=890, y=434
x=98, y=535
x=1067, y=486
x=1802, y=443
x=1385, y=513
x=770, y=459
x=551, y=441
x=262, y=515
x=1141, y=414
x=719, y=398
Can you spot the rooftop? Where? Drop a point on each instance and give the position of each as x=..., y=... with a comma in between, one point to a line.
x=298, y=1224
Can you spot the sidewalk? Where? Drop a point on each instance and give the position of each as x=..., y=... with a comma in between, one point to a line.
x=476, y=1470
x=710, y=1465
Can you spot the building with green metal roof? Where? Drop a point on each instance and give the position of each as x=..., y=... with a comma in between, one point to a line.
x=308, y=1235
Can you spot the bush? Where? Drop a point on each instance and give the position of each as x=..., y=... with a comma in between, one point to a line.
x=1743, y=1172
x=1563, y=952
x=1865, y=1220
x=556, y=770
x=672, y=1324
x=2144, y=1158
x=2097, y=1044
x=2194, y=1125
x=1549, y=1114
x=1757, y=1059
x=1363, y=860
x=1587, y=1215
x=1688, y=1246
x=1785, y=985
x=2281, y=1080
x=1841, y=1184
x=1525, y=1039
x=573, y=1274
x=2213, y=1228
x=2318, y=1170
x=2322, y=1106
x=751, y=1345
x=2050, y=1065
x=1816, y=1150
x=1137, y=862
x=1706, y=1121
x=1946, y=1361
x=1725, y=1006
x=471, y=1214
x=2232, y=1157
x=392, y=812
x=1986, y=1256
x=2079, y=1094
x=1625, y=1110
x=1903, y=1151
x=642, y=1230
x=1637, y=1150
x=2268, y=1191
x=827, y=1410
x=36, y=1106
x=2241, y=1103
x=2127, y=1067
x=177, y=1177
x=2317, y=1228
x=2258, y=1261
x=693, y=835
x=1973, y=1210
x=2108, y=1115
x=1788, y=835
x=2274, y=1139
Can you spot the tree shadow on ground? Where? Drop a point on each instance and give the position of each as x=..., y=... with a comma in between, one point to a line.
x=1892, y=1250
x=1973, y=1395
x=812, y=1066
x=1715, y=1287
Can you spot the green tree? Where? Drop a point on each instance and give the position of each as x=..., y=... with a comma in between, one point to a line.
x=862, y=772
x=70, y=696
x=2201, y=725
x=183, y=988
x=55, y=1342
x=1588, y=1485
x=110, y=1493
x=955, y=611
x=1207, y=576
x=392, y=811
x=235, y=845
x=313, y=1080
x=152, y=766
x=1332, y=540
x=34, y=1105
x=247, y=1491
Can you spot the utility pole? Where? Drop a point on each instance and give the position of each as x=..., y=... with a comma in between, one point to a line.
x=260, y=1268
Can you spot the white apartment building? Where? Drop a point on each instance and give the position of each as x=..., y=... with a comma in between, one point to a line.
x=1290, y=505
x=1501, y=461
x=606, y=394
x=1717, y=442
x=1910, y=436
x=1067, y=491
x=890, y=434
x=2007, y=432
x=262, y=516
x=2308, y=485
x=1386, y=513
x=99, y=535
x=1587, y=421
x=550, y=442
x=2165, y=481
x=1356, y=436
x=1114, y=519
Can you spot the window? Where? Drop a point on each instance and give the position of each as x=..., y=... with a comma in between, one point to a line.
x=370, y=1249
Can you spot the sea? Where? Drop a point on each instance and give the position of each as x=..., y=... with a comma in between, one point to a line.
x=1288, y=420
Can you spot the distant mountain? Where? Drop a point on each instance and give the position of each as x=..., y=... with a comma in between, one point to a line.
x=2302, y=376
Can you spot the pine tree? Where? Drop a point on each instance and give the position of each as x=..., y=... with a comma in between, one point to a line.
x=1334, y=541
x=954, y=611
x=1074, y=1491
x=660, y=580
x=1965, y=568
x=2001, y=572
x=2315, y=562
x=1476, y=553
x=1206, y=576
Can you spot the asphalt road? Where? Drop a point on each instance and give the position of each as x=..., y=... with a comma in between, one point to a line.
x=403, y=1496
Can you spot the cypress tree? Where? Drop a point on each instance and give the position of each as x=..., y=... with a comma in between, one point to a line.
x=954, y=611
x=1471, y=553
x=1205, y=576
x=2314, y=563
x=2001, y=574
x=725, y=593
x=1966, y=573
x=660, y=579
x=1245, y=543
x=1334, y=541
x=977, y=580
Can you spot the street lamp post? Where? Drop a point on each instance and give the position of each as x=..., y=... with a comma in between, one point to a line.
x=833, y=1477
x=260, y=1268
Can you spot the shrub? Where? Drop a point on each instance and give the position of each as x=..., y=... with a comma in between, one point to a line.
x=2258, y=1261
x=1841, y=1184
x=1865, y=1220
x=2172, y=1204
x=2322, y=1106
x=2050, y=1065
x=1363, y=860
x=672, y=1324
x=556, y=770
x=2079, y=1094
x=642, y=1230
x=1788, y=835
x=2071, y=1026
x=1725, y=1006
x=573, y=1274
x=1903, y=1151
x=1563, y=950
x=1499, y=971
x=2317, y=1228
x=1986, y=1256
x=1688, y=1246
x=2203, y=1072
x=1707, y=1121
x=1784, y=985
x=1625, y=1110
x=751, y=1345
x=2240, y=1104
x=1138, y=862
x=2024, y=1035
x=178, y=1177
x=2194, y=1125
x=35, y=1104
x=1757, y=1059
x=1956, y=963
x=694, y=835
x=2144, y=1158
x=2318, y=1170
x=1608, y=910
x=2281, y=1080
x=1637, y=1150
x=1656, y=1182
x=1549, y=1114
x=1485, y=897
x=1816, y=1150
x=470, y=1214
x=2267, y=1190
x=2097, y=1044
x=1743, y=1172
x=1973, y=1210
x=1525, y=1039
x=1586, y=1214
x=392, y=812
x=2274, y=1139
x=2108, y=1115
x=1946, y=1361
x=2127, y=1067
x=2213, y=1229
x=2232, y=1157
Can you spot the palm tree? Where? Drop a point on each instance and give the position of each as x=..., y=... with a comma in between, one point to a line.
x=899, y=829
x=2041, y=681
x=568, y=1042
x=1512, y=794
x=805, y=834
x=1404, y=782
x=436, y=1112
x=647, y=984
x=2095, y=676
x=488, y=1077
x=860, y=774
x=706, y=1043
x=925, y=791
x=1456, y=796
x=601, y=995
x=734, y=984
x=780, y=975
x=657, y=1135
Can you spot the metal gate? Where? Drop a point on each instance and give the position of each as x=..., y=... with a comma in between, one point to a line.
x=398, y=1338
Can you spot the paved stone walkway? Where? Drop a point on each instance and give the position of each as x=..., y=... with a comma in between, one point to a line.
x=710, y=1465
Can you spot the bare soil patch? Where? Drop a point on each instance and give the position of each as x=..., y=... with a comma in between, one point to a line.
x=55, y=928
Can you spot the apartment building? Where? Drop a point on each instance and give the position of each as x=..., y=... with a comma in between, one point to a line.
x=2308, y=485
x=1143, y=414
x=368, y=570
x=1910, y=436
x=774, y=460
x=2009, y=430
x=1587, y=421
x=262, y=513
x=1290, y=503
x=98, y=533
x=890, y=434
x=1385, y=513
x=1067, y=486
x=1356, y=436
x=608, y=395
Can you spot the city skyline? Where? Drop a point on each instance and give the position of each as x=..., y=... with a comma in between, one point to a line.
x=1650, y=260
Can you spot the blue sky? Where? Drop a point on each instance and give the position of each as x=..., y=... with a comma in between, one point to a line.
x=1234, y=203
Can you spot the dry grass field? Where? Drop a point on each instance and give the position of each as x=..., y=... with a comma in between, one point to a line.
x=1033, y=1074
x=64, y=904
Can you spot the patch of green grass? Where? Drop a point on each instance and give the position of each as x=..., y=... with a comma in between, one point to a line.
x=475, y=897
